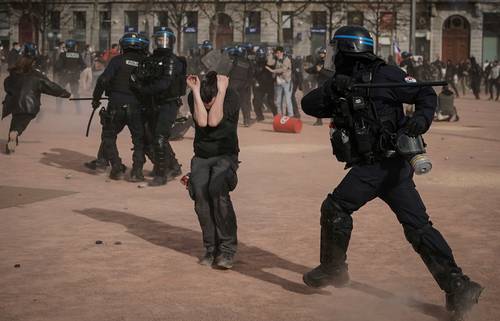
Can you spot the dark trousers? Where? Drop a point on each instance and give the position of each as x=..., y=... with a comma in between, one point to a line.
x=114, y=119
x=263, y=95
x=74, y=86
x=245, y=94
x=392, y=181
x=159, y=123
x=494, y=84
x=20, y=122
x=210, y=182
x=295, y=105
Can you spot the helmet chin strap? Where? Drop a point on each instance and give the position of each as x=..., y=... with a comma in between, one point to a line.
x=344, y=62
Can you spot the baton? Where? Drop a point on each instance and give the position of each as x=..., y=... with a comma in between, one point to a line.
x=89, y=98
x=401, y=84
x=90, y=122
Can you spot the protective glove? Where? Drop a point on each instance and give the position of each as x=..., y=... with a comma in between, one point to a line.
x=65, y=94
x=343, y=83
x=96, y=103
x=416, y=125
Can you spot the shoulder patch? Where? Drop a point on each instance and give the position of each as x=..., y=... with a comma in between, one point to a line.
x=410, y=79
x=131, y=63
x=72, y=55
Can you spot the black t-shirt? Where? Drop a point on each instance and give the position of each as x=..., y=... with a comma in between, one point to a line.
x=220, y=140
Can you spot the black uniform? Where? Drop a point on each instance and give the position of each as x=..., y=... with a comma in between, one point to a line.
x=263, y=89
x=123, y=109
x=240, y=81
x=69, y=67
x=162, y=77
x=375, y=175
x=297, y=80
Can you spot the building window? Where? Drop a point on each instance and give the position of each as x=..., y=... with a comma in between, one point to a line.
x=160, y=19
x=79, y=27
x=104, y=30
x=318, y=30
x=355, y=18
x=287, y=18
x=252, y=26
x=131, y=21
x=387, y=21
x=55, y=20
x=190, y=30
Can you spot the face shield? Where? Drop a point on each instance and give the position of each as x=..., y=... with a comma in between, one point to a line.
x=164, y=40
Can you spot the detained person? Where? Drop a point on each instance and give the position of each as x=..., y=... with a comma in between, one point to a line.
x=215, y=111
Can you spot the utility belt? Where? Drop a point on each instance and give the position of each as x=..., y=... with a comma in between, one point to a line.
x=157, y=102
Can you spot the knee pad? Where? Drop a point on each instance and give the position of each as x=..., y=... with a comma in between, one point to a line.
x=334, y=216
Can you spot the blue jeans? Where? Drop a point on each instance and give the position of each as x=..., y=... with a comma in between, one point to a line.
x=280, y=90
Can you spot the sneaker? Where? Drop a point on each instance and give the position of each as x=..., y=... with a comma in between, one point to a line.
x=318, y=122
x=173, y=173
x=158, y=181
x=117, y=172
x=13, y=142
x=207, y=259
x=463, y=298
x=321, y=276
x=224, y=261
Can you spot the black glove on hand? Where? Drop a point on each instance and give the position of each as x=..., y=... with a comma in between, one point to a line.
x=342, y=83
x=416, y=125
x=65, y=94
x=96, y=103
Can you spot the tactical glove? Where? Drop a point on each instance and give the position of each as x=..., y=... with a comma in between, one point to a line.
x=416, y=125
x=343, y=83
x=96, y=103
x=65, y=94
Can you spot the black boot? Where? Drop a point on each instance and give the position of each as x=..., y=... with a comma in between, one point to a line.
x=97, y=164
x=465, y=293
x=117, y=172
x=207, y=259
x=174, y=170
x=136, y=174
x=322, y=276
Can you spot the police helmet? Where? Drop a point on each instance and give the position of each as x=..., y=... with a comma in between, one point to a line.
x=321, y=50
x=406, y=54
x=70, y=45
x=261, y=53
x=164, y=38
x=349, y=40
x=30, y=50
x=207, y=45
x=134, y=41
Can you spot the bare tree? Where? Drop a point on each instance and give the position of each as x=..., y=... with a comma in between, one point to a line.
x=277, y=17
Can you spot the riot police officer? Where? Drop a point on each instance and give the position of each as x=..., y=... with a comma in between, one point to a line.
x=239, y=81
x=123, y=109
x=320, y=73
x=162, y=76
x=366, y=126
x=263, y=86
x=69, y=67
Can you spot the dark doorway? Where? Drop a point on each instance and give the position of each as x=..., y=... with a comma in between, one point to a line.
x=456, y=39
x=27, y=29
x=224, y=34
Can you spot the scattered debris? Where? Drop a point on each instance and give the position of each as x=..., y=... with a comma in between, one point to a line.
x=68, y=176
x=142, y=185
x=446, y=158
x=17, y=265
x=99, y=242
x=118, y=243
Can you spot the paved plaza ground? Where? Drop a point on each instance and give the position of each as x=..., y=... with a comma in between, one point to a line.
x=53, y=210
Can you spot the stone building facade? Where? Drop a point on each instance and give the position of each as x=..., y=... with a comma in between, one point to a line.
x=449, y=29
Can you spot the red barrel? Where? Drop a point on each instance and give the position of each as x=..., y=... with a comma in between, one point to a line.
x=287, y=124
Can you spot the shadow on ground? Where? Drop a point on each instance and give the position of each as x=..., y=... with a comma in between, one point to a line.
x=255, y=261
x=67, y=159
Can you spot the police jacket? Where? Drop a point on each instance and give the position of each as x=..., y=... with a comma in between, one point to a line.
x=372, y=123
x=23, y=92
x=241, y=74
x=115, y=80
x=70, y=64
x=263, y=76
x=161, y=76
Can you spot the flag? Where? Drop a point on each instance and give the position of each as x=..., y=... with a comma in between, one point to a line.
x=396, y=50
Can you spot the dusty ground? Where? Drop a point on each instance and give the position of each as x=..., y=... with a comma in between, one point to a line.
x=52, y=211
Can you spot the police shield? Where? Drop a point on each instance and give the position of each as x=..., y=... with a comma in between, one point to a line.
x=217, y=61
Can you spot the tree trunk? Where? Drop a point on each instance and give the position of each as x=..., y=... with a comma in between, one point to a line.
x=280, y=23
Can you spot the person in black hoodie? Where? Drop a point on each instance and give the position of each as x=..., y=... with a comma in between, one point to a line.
x=23, y=88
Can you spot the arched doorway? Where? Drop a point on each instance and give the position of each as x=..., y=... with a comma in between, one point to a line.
x=224, y=33
x=27, y=29
x=456, y=39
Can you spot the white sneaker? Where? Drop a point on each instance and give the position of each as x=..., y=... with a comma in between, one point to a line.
x=12, y=143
